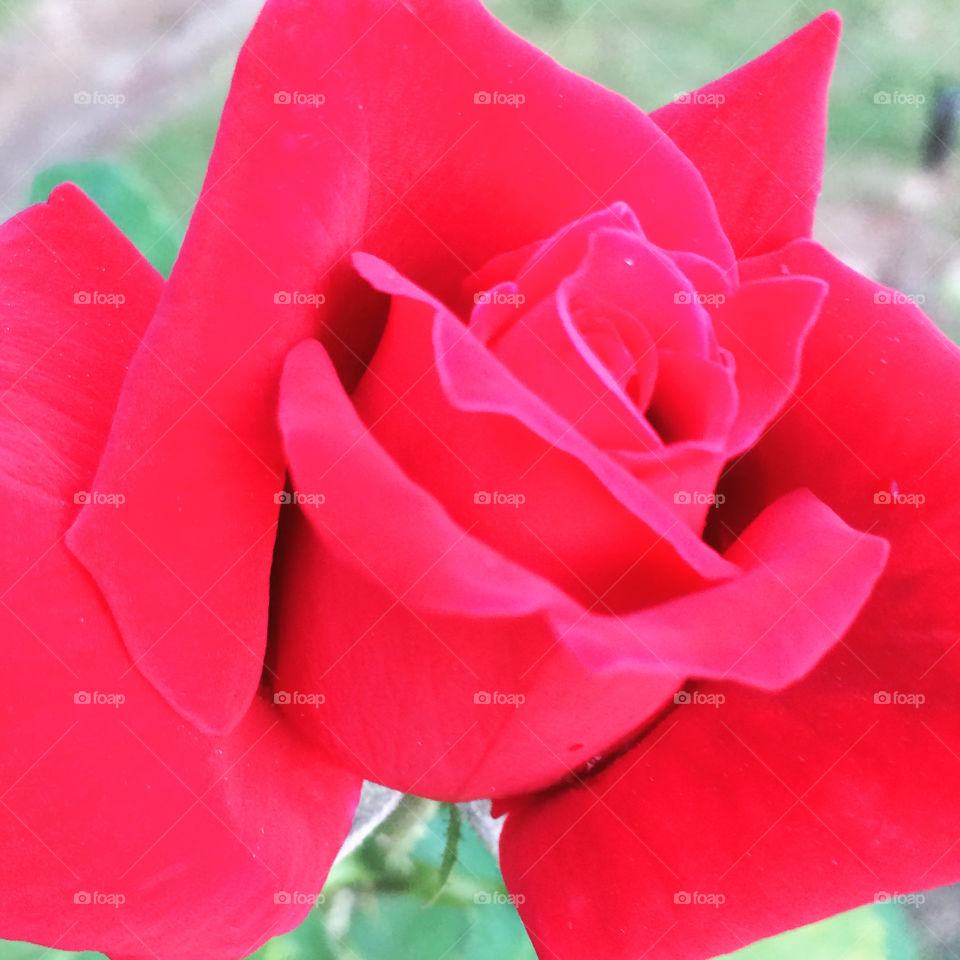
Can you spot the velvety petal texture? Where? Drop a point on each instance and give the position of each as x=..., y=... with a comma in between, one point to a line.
x=448, y=517
x=742, y=814
x=757, y=135
x=461, y=425
x=315, y=158
x=123, y=829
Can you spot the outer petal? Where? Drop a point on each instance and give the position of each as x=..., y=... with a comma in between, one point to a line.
x=449, y=671
x=757, y=135
x=314, y=157
x=847, y=785
x=122, y=828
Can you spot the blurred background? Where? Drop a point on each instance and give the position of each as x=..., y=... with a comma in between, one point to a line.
x=123, y=96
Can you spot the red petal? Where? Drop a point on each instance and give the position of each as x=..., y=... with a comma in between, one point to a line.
x=764, y=326
x=760, y=149
x=538, y=267
x=873, y=412
x=806, y=574
x=553, y=352
x=460, y=423
x=102, y=799
x=291, y=188
x=383, y=612
x=401, y=618
x=695, y=399
x=842, y=788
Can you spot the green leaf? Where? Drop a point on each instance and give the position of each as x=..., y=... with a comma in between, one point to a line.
x=400, y=927
x=870, y=933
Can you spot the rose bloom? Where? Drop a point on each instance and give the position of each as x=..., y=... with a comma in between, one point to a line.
x=490, y=438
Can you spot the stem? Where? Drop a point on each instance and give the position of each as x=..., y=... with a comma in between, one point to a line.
x=450, y=852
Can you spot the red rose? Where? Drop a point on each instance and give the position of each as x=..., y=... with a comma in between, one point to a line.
x=511, y=527
x=683, y=355
x=600, y=589
x=412, y=169
x=123, y=829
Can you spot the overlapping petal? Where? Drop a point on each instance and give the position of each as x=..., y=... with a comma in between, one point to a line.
x=123, y=829
x=727, y=824
x=315, y=157
x=450, y=670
